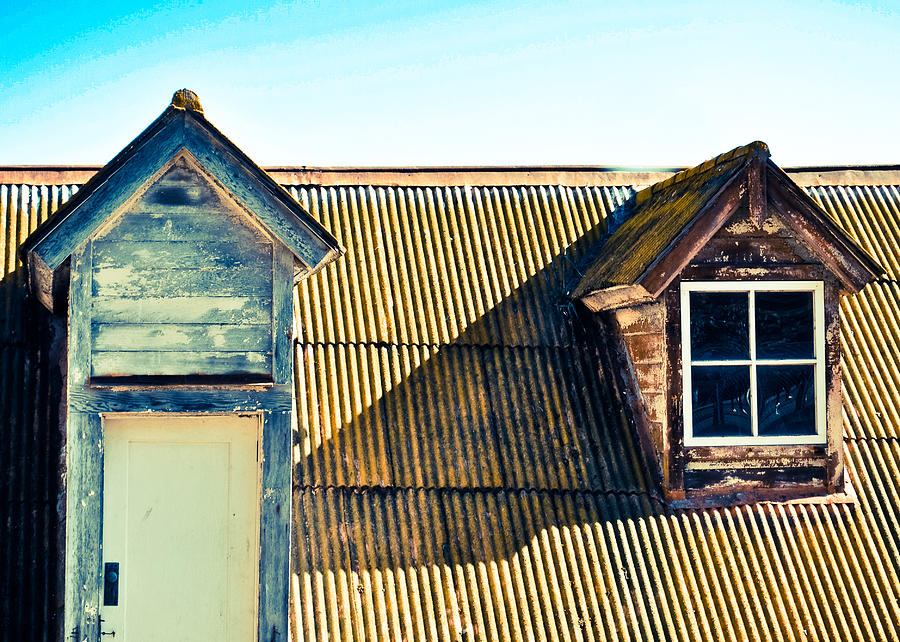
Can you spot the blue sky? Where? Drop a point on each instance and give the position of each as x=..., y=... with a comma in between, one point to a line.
x=465, y=83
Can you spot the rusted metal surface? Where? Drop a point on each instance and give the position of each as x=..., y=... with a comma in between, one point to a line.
x=871, y=215
x=444, y=492
x=31, y=442
x=460, y=416
x=451, y=564
x=443, y=176
x=870, y=341
x=432, y=266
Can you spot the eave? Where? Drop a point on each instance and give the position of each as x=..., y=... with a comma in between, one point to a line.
x=762, y=186
x=176, y=130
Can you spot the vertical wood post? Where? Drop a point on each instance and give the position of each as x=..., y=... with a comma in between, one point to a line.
x=84, y=470
x=756, y=190
x=834, y=461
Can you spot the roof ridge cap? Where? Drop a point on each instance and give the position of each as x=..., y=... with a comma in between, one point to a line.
x=756, y=148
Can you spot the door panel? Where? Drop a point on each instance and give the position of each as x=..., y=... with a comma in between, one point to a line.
x=180, y=516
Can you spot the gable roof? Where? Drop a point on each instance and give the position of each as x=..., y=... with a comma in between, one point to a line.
x=181, y=129
x=464, y=468
x=670, y=221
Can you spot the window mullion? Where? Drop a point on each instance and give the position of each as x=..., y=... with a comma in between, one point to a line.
x=754, y=418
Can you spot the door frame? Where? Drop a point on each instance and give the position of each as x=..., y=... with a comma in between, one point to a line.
x=84, y=521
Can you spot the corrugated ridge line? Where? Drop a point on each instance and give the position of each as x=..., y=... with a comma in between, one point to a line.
x=442, y=265
x=464, y=416
x=423, y=565
x=870, y=341
x=485, y=489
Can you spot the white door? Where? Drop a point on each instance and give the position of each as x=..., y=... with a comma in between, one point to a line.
x=180, y=528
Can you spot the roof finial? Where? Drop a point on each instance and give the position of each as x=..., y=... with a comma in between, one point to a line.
x=188, y=100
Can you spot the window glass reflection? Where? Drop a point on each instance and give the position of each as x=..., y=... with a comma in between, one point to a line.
x=720, y=325
x=786, y=400
x=784, y=325
x=721, y=401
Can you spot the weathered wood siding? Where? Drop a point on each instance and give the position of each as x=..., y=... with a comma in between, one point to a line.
x=643, y=330
x=181, y=284
x=743, y=243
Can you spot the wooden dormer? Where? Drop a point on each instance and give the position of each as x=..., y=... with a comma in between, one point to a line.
x=738, y=252
x=181, y=240
x=175, y=268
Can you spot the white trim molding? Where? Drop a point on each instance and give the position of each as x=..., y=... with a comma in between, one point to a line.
x=818, y=361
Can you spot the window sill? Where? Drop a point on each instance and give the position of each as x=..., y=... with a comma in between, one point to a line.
x=809, y=496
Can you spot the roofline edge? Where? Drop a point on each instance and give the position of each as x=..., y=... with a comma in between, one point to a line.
x=437, y=176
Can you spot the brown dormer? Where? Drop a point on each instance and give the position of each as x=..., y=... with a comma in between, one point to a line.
x=723, y=286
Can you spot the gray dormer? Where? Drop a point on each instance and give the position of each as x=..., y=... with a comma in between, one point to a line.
x=182, y=236
x=175, y=266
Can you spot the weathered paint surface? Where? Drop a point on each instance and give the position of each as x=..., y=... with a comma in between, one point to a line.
x=181, y=284
x=379, y=558
x=643, y=331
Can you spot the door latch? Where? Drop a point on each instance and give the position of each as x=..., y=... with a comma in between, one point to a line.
x=111, y=584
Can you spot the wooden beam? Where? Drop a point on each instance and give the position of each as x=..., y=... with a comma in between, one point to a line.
x=617, y=296
x=822, y=236
x=88, y=399
x=275, y=528
x=671, y=261
x=834, y=432
x=756, y=190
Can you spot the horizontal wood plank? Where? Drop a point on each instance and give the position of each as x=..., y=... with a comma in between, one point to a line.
x=178, y=399
x=145, y=255
x=127, y=281
x=113, y=364
x=181, y=224
x=177, y=309
x=166, y=337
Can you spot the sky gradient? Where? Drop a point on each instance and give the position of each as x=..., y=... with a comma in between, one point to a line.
x=326, y=83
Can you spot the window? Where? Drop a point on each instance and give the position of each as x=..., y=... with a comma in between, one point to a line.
x=753, y=362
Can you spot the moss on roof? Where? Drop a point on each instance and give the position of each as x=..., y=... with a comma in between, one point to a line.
x=658, y=215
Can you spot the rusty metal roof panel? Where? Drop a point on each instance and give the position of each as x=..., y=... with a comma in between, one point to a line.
x=870, y=342
x=451, y=564
x=31, y=546
x=529, y=517
x=439, y=265
x=870, y=214
x=460, y=416
x=22, y=209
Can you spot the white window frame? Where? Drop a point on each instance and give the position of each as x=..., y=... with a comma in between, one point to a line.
x=818, y=290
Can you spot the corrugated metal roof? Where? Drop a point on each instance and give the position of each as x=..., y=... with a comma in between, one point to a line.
x=460, y=416
x=871, y=215
x=455, y=564
x=463, y=472
x=870, y=340
x=431, y=266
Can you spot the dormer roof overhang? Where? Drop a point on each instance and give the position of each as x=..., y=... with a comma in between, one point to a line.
x=671, y=221
x=181, y=128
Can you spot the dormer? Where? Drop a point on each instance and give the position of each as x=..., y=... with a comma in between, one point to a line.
x=178, y=241
x=174, y=266
x=722, y=286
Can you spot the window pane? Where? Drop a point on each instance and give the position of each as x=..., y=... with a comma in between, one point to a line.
x=721, y=406
x=786, y=400
x=784, y=325
x=719, y=325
